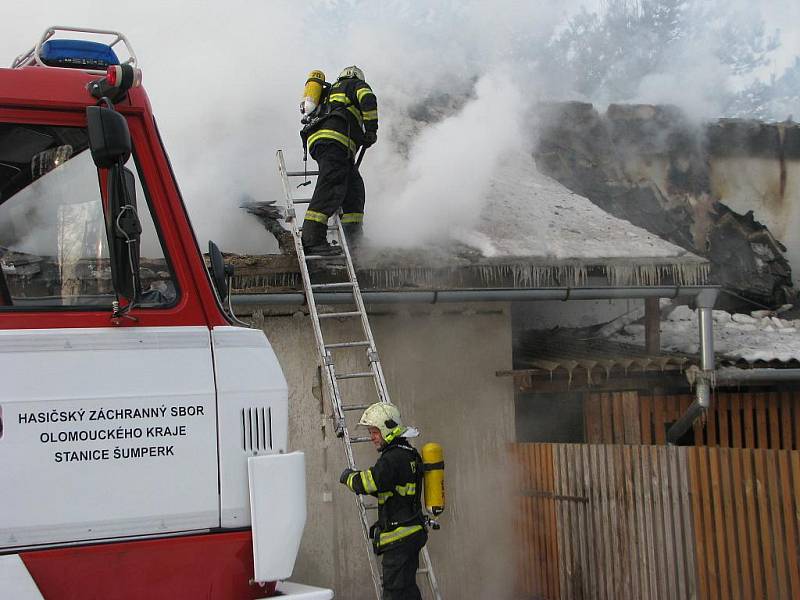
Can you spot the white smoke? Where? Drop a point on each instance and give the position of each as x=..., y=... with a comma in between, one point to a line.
x=225, y=79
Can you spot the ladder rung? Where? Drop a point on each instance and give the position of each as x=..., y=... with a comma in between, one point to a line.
x=371, y=506
x=347, y=345
x=360, y=440
x=422, y=571
x=360, y=375
x=323, y=286
x=301, y=173
x=356, y=313
x=356, y=407
x=324, y=256
x=301, y=201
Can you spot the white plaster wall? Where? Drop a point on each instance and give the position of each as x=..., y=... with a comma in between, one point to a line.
x=440, y=364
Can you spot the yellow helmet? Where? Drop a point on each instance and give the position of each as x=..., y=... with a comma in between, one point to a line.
x=386, y=417
x=352, y=71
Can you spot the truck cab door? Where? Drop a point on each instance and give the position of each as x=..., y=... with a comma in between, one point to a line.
x=118, y=422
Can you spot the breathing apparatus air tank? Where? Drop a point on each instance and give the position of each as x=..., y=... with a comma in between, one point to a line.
x=433, y=475
x=312, y=93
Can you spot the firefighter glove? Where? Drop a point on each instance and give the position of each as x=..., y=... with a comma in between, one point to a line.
x=370, y=137
x=345, y=474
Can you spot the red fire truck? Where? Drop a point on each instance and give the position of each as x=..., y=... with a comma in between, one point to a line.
x=143, y=436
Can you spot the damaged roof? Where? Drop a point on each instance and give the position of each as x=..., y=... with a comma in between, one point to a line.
x=533, y=233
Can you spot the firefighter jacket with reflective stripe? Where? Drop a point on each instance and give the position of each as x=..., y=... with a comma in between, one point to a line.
x=396, y=480
x=350, y=109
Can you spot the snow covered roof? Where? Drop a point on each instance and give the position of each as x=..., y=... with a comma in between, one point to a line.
x=533, y=233
x=758, y=337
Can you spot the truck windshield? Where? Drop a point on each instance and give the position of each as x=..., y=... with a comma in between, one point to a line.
x=53, y=245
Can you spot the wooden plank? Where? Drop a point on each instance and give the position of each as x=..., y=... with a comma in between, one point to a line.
x=645, y=426
x=630, y=418
x=643, y=565
x=723, y=418
x=778, y=528
x=796, y=419
x=539, y=521
x=694, y=456
x=591, y=531
x=736, y=420
x=794, y=504
x=740, y=514
x=762, y=432
x=749, y=420
x=619, y=515
x=608, y=425
x=582, y=511
x=658, y=522
x=607, y=523
x=679, y=533
x=765, y=532
x=786, y=420
x=688, y=523
x=712, y=560
x=711, y=425
x=535, y=567
x=594, y=420
x=568, y=541
x=790, y=521
x=553, y=564
x=756, y=548
x=631, y=539
x=774, y=420
x=562, y=519
x=659, y=436
x=670, y=553
x=648, y=519
x=719, y=523
x=729, y=519
x=617, y=418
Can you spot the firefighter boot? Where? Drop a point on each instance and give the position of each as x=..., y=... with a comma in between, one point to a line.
x=354, y=233
x=315, y=239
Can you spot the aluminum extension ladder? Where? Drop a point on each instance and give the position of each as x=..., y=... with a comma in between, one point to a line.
x=325, y=353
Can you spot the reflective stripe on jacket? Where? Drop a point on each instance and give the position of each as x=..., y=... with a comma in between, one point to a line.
x=352, y=110
x=396, y=481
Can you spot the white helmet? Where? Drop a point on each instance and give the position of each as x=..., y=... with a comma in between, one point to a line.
x=352, y=71
x=386, y=417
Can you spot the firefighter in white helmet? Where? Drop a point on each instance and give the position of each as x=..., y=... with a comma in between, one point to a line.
x=396, y=480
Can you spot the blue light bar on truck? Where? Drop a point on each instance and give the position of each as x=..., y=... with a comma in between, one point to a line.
x=78, y=54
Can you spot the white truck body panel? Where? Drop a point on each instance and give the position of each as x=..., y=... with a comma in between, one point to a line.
x=278, y=508
x=253, y=414
x=107, y=432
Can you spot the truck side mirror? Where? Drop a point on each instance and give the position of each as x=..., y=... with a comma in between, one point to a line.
x=124, y=230
x=109, y=137
x=218, y=270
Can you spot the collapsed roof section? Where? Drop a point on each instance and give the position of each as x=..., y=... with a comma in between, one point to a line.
x=533, y=233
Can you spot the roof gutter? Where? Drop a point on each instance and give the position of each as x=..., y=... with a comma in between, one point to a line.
x=478, y=295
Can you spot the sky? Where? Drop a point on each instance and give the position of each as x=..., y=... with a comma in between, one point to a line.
x=225, y=79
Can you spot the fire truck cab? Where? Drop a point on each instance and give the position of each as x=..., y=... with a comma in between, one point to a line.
x=143, y=437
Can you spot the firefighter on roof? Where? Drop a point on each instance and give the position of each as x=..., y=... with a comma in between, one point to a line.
x=345, y=120
x=396, y=480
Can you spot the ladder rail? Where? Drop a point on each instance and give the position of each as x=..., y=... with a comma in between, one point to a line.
x=380, y=382
x=328, y=365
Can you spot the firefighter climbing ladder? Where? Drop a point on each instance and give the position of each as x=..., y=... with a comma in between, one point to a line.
x=326, y=353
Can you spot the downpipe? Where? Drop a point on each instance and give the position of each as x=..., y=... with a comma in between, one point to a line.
x=702, y=401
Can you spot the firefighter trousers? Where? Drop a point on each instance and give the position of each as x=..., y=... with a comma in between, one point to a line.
x=339, y=185
x=400, y=566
